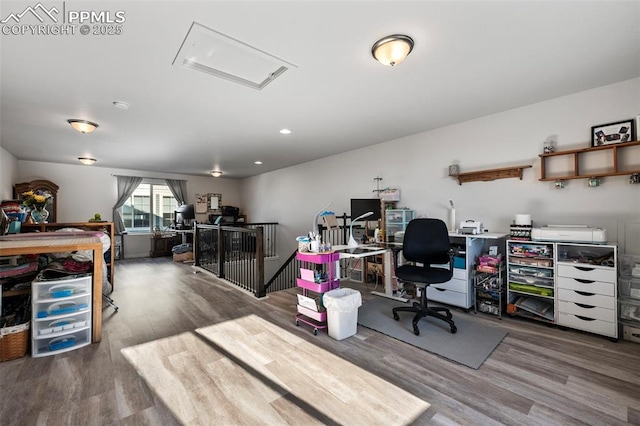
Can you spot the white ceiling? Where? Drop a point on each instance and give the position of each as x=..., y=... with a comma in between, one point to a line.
x=470, y=59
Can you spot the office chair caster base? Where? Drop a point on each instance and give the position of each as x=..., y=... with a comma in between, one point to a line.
x=416, y=331
x=396, y=317
x=454, y=329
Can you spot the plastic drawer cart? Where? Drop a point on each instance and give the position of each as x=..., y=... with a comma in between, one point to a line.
x=310, y=309
x=61, y=314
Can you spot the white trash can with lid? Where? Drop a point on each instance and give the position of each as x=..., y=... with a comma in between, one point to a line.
x=342, y=312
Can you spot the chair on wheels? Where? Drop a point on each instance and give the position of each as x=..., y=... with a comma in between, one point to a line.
x=426, y=241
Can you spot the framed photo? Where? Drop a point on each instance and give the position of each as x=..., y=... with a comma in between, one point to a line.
x=214, y=201
x=201, y=203
x=613, y=133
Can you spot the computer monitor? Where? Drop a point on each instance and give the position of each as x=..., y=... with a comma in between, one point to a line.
x=184, y=215
x=360, y=206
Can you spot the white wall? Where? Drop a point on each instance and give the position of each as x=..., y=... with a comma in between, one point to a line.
x=8, y=174
x=418, y=166
x=86, y=190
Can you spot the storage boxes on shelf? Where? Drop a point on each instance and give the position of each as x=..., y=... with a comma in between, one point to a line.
x=488, y=285
x=396, y=221
x=489, y=264
x=530, y=276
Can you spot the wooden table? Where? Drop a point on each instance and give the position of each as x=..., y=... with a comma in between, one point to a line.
x=107, y=227
x=40, y=243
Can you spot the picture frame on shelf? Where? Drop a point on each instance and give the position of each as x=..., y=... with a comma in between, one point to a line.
x=613, y=133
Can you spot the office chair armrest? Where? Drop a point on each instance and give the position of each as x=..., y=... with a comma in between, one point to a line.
x=395, y=251
x=452, y=252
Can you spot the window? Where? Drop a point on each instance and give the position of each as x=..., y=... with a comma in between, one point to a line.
x=150, y=206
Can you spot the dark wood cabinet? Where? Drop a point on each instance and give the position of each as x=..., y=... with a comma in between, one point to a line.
x=44, y=185
x=161, y=245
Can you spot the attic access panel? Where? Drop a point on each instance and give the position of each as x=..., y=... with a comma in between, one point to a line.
x=209, y=51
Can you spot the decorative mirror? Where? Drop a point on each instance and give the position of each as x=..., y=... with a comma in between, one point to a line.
x=43, y=185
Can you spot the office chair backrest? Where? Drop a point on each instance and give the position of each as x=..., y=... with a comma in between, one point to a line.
x=426, y=241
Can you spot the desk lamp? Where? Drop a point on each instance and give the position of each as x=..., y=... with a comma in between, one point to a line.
x=352, y=241
x=314, y=226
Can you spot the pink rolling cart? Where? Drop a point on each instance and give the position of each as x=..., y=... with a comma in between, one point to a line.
x=310, y=308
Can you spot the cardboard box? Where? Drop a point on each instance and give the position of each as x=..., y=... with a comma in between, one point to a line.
x=183, y=257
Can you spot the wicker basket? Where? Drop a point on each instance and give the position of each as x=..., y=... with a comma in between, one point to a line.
x=14, y=342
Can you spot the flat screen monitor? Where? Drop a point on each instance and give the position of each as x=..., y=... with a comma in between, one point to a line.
x=184, y=215
x=360, y=206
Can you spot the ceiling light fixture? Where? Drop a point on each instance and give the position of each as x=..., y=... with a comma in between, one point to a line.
x=285, y=131
x=216, y=173
x=258, y=162
x=83, y=126
x=393, y=49
x=87, y=161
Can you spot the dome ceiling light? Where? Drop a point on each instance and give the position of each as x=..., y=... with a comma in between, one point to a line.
x=393, y=49
x=87, y=161
x=83, y=126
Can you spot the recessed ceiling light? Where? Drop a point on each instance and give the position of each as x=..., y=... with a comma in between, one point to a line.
x=87, y=161
x=285, y=131
x=258, y=162
x=216, y=173
x=120, y=105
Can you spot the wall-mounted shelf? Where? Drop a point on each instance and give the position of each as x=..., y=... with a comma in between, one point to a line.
x=613, y=169
x=492, y=174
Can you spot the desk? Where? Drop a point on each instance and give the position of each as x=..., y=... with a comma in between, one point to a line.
x=184, y=233
x=459, y=290
x=362, y=251
x=45, y=242
x=106, y=227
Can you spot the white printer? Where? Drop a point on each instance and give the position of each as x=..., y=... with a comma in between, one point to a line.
x=570, y=234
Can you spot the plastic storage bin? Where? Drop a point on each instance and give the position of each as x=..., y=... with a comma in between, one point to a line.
x=342, y=312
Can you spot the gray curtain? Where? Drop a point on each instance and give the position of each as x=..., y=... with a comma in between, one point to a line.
x=179, y=190
x=126, y=186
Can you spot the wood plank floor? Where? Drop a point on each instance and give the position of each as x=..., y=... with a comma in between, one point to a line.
x=538, y=375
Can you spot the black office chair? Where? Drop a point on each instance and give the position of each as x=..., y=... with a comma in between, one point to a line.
x=426, y=241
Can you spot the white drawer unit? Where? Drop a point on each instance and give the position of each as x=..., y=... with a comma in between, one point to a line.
x=588, y=286
x=591, y=325
x=61, y=315
x=459, y=290
x=453, y=285
x=450, y=297
x=587, y=272
x=454, y=292
x=586, y=282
